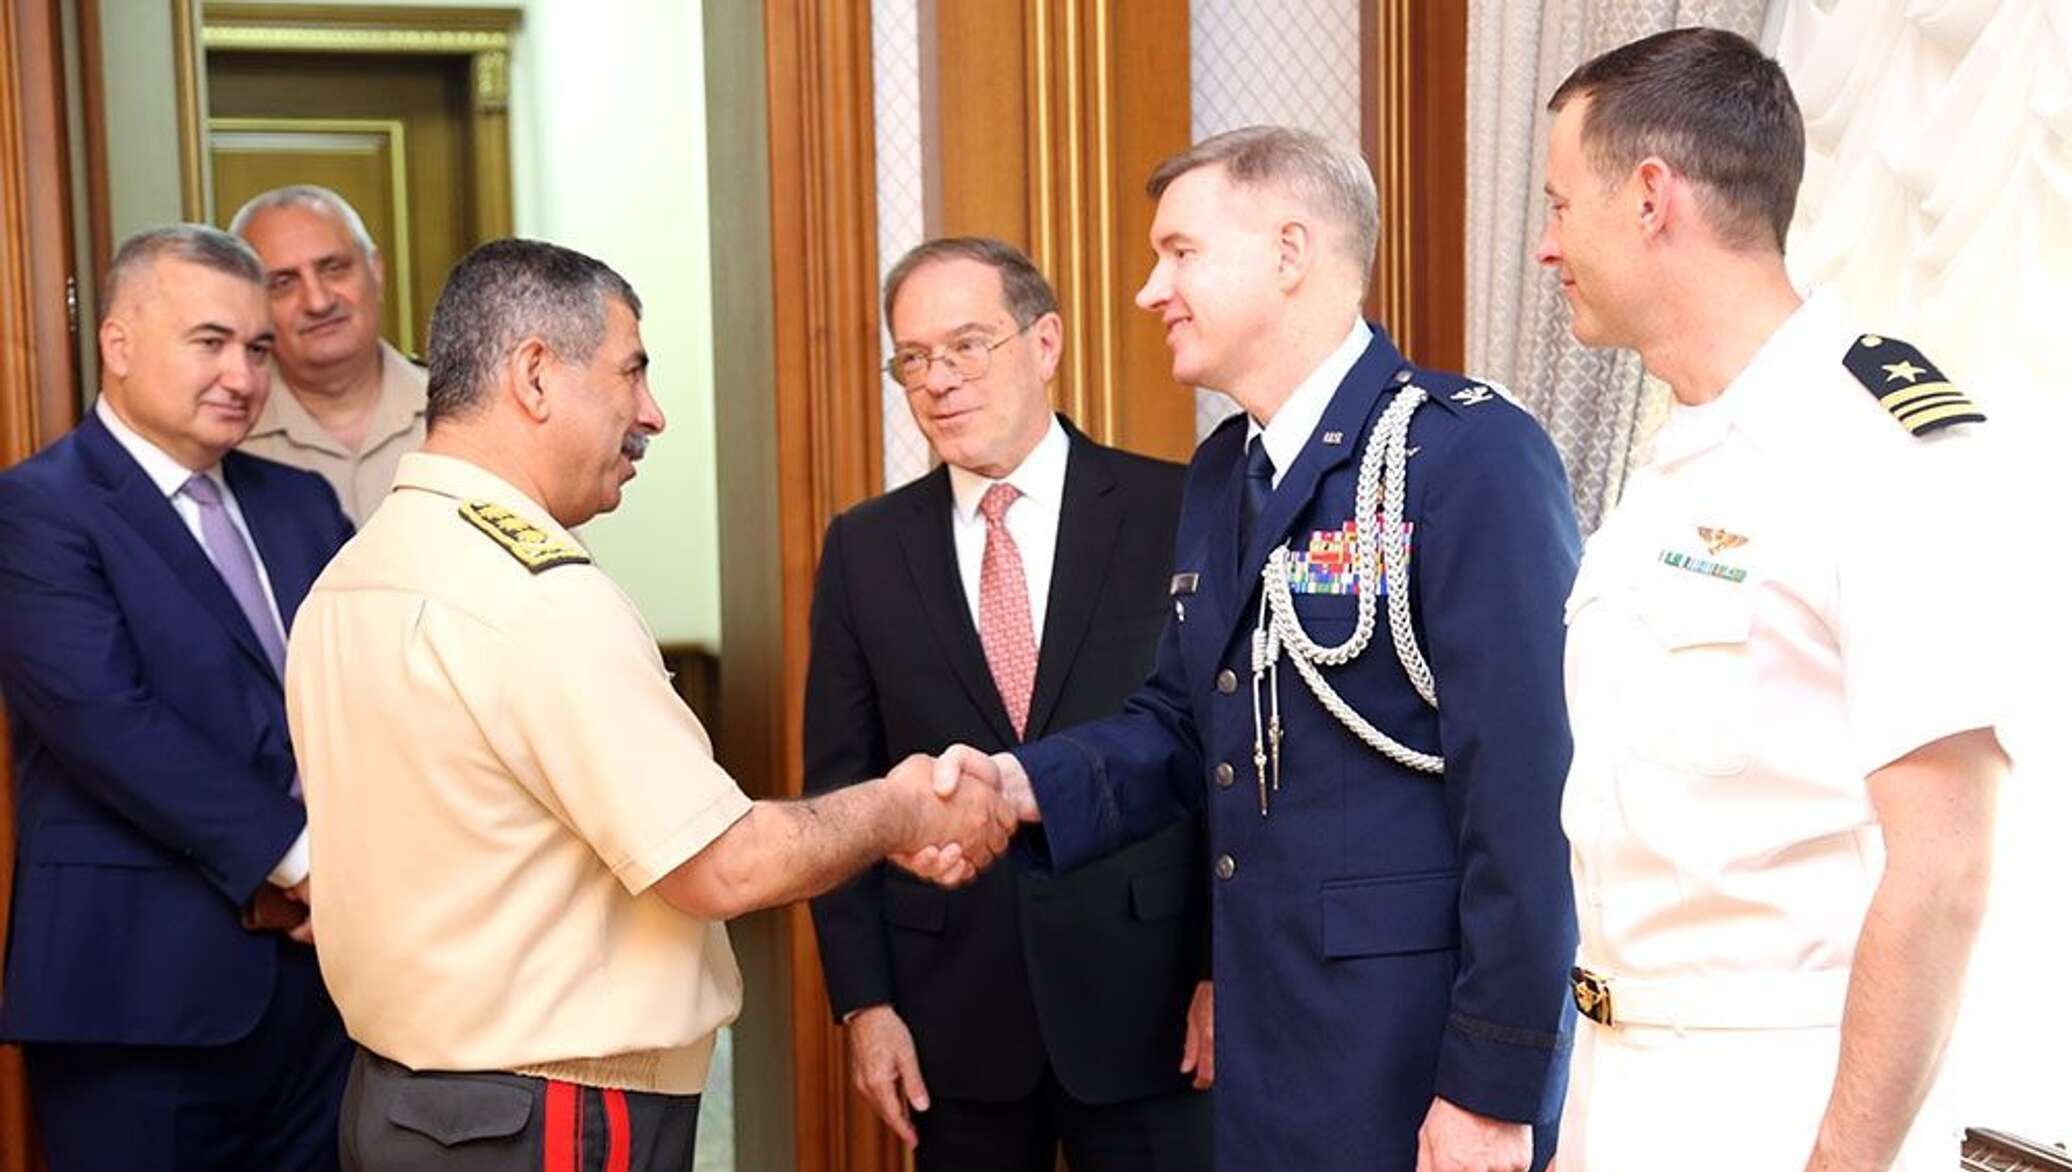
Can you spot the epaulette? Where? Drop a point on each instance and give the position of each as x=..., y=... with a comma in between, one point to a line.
x=1455, y=392
x=1908, y=385
x=521, y=538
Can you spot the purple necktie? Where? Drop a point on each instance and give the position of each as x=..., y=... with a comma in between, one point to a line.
x=234, y=562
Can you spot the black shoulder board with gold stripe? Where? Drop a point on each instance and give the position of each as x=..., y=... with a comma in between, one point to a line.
x=521, y=538
x=1908, y=385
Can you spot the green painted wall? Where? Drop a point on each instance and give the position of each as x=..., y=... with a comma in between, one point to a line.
x=608, y=153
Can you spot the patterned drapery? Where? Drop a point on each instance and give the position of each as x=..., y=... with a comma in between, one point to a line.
x=1292, y=63
x=1938, y=203
x=1591, y=401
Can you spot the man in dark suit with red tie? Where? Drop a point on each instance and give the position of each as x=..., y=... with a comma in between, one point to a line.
x=159, y=974
x=1017, y=589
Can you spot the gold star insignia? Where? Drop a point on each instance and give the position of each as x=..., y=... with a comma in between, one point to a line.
x=1903, y=369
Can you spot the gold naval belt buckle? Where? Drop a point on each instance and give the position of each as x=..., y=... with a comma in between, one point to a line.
x=1593, y=994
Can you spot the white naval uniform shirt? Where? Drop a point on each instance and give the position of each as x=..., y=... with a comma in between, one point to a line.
x=1717, y=806
x=1789, y=596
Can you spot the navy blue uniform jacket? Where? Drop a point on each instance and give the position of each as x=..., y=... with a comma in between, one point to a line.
x=1381, y=935
x=152, y=765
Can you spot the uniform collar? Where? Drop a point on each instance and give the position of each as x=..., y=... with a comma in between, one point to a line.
x=1040, y=476
x=397, y=410
x=1767, y=400
x=166, y=474
x=450, y=476
x=1289, y=430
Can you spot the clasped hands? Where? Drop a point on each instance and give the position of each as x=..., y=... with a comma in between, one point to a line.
x=967, y=805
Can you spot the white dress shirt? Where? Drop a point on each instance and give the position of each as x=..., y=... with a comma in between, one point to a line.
x=169, y=475
x=1289, y=429
x=1032, y=521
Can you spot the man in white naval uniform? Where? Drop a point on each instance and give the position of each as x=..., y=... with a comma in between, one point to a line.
x=1780, y=660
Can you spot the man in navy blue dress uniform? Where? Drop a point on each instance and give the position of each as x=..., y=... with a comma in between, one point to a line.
x=1359, y=687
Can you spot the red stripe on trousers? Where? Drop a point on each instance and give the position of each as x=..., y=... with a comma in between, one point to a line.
x=564, y=1128
x=618, y=1130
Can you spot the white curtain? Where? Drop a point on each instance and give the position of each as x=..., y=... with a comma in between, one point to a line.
x=1938, y=202
x=1590, y=400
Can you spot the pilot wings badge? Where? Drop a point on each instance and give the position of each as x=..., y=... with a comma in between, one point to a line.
x=1719, y=541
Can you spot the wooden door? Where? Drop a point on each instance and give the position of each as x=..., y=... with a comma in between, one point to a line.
x=392, y=134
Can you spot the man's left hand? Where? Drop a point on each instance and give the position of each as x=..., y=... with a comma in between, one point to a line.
x=1457, y=1140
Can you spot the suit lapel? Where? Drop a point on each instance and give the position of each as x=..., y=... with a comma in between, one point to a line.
x=924, y=533
x=1352, y=405
x=146, y=510
x=1089, y=522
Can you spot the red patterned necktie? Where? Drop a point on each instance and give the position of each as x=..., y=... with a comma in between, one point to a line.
x=1004, y=627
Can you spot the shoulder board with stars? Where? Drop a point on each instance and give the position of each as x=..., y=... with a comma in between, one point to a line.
x=1908, y=385
x=520, y=538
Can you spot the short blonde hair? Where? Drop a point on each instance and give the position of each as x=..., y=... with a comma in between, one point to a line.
x=1324, y=176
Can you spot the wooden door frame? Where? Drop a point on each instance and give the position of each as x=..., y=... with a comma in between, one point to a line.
x=39, y=391
x=829, y=455
x=1414, y=131
x=481, y=36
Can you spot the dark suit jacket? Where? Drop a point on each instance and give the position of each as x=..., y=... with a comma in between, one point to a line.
x=1091, y=972
x=1381, y=935
x=152, y=764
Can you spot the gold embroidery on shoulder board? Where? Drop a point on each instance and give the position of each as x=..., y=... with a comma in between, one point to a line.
x=1908, y=385
x=520, y=538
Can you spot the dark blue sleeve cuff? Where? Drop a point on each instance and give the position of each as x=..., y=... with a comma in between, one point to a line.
x=1504, y=1072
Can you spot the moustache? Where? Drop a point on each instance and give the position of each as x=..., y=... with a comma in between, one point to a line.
x=635, y=445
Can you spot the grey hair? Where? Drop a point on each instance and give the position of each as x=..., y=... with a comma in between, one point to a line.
x=1326, y=178
x=503, y=293
x=1028, y=295
x=196, y=244
x=312, y=197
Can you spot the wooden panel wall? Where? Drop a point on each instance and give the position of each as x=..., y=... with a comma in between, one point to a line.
x=1040, y=128
x=824, y=275
x=1414, y=126
x=38, y=395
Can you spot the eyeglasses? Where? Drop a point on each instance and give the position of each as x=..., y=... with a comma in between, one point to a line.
x=968, y=358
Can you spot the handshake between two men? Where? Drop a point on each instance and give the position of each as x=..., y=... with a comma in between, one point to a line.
x=980, y=801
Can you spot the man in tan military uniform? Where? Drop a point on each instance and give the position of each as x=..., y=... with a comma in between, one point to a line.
x=1781, y=660
x=345, y=404
x=522, y=847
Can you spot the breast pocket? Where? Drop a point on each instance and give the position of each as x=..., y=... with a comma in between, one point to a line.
x=1694, y=703
x=1329, y=618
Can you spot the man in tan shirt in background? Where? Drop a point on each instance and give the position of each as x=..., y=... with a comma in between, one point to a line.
x=345, y=404
x=522, y=849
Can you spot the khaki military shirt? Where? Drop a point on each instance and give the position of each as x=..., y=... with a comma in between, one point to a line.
x=1793, y=593
x=287, y=432
x=497, y=772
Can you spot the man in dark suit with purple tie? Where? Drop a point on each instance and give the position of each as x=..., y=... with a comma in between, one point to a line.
x=159, y=974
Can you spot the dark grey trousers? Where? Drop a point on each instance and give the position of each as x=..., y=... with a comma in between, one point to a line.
x=398, y=1120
